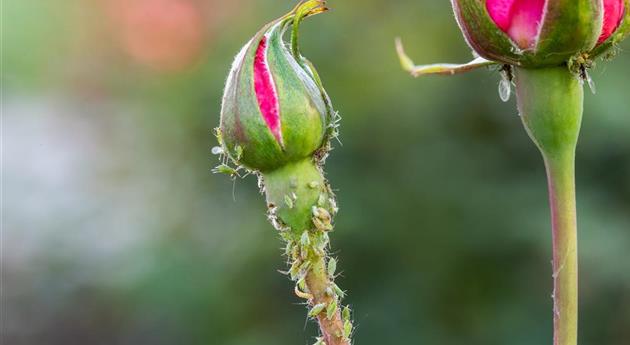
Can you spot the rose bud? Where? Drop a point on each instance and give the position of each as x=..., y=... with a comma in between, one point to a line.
x=274, y=109
x=616, y=25
x=537, y=33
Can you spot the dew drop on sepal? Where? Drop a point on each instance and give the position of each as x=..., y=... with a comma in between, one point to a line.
x=505, y=89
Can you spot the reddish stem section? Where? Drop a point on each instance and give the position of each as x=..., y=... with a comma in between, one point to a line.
x=266, y=91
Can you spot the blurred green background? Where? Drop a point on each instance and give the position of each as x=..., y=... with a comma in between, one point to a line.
x=116, y=232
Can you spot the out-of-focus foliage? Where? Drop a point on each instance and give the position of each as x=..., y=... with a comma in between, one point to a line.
x=116, y=232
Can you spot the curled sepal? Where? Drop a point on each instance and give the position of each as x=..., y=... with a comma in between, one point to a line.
x=440, y=69
x=274, y=109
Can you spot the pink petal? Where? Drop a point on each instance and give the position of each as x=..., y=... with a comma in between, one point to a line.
x=266, y=91
x=520, y=19
x=613, y=14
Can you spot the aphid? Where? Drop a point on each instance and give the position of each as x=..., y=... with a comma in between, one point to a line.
x=333, y=205
x=338, y=291
x=331, y=309
x=286, y=236
x=321, y=200
x=313, y=184
x=324, y=215
x=226, y=170
x=239, y=152
x=288, y=248
x=302, y=284
x=294, y=271
x=301, y=294
x=295, y=252
x=304, y=252
x=347, y=329
x=304, y=268
x=319, y=251
x=219, y=135
x=329, y=292
x=345, y=313
x=321, y=225
x=305, y=239
x=288, y=201
x=332, y=267
x=318, y=308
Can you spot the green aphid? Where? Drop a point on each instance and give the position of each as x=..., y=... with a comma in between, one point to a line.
x=239, y=152
x=313, y=184
x=318, y=308
x=345, y=313
x=288, y=201
x=302, y=284
x=305, y=239
x=332, y=267
x=289, y=248
x=321, y=201
x=338, y=291
x=219, y=135
x=304, y=252
x=226, y=170
x=304, y=268
x=329, y=291
x=294, y=271
x=331, y=309
x=347, y=329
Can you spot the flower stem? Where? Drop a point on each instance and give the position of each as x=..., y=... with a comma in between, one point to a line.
x=561, y=179
x=550, y=102
x=301, y=205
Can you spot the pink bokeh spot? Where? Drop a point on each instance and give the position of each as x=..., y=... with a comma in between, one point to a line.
x=613, y=14
x=519, y=19
x=266, y=91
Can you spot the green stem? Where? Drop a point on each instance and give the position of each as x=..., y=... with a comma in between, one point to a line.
x=550, y=102
x=301, y=205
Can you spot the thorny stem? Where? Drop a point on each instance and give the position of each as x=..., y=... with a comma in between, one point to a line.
x=301, y=205
x=550, y=101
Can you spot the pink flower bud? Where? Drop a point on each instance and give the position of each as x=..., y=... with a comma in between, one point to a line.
x=274, y=108
x=539, y=33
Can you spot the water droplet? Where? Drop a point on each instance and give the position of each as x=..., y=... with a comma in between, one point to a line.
x=217, y=150
x=505, y=89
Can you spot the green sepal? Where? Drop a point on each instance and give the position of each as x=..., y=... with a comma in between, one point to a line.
x=483, y=35
x=570, y=27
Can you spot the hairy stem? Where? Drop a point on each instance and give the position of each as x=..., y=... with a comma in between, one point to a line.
x=561, y=179
x=550, y=101
x=301, y=205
